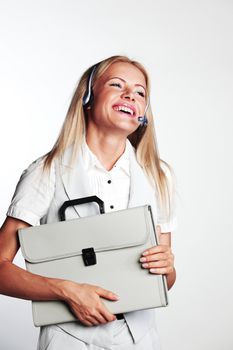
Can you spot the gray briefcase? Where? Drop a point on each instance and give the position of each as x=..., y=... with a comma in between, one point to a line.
x=102, y=250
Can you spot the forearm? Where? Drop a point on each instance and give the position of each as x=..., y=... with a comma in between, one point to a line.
x=19, y=283
x=171, y=278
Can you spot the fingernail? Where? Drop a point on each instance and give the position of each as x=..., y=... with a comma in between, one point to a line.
x=116, y=297
x=142, y=259
x=144, y=265
x=145, y=253
x=153, y=270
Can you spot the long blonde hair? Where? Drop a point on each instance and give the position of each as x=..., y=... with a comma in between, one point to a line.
x=143, y=139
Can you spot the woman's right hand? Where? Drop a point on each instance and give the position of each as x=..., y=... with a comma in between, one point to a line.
x=85, y=302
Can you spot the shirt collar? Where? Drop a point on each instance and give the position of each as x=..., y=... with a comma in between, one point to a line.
x=91, y=161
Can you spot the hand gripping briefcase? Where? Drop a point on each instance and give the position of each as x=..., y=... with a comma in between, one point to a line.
x=103, y=250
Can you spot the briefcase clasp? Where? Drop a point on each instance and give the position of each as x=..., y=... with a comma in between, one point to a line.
x=89, y=256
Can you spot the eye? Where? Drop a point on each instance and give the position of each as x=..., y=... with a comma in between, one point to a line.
x=140, y=93
x=116, y=85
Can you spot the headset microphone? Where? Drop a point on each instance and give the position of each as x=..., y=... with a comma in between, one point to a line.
x=143, y=120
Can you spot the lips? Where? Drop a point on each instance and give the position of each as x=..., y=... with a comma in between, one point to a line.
x=125, y=108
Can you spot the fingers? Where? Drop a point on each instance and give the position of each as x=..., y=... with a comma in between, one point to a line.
x=162, y=271
x=161, y=263
x=105, y=313
x=95, y=315
x=159, y=267
x=88, y=321
x=106, y=294
x=98, y=317
x=158, y=259
x=157, y=249
x=154, y=257
x=85, y=302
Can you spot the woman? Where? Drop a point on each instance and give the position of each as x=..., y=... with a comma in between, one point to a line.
x=94, y=154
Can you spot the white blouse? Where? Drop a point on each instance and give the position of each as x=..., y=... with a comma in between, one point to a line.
x=35, y=192
x=110, y=186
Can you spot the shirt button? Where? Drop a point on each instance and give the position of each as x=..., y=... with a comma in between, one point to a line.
x=111, y=206
x=109, y=181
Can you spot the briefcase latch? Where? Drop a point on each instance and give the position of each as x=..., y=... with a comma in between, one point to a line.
x=89, y=256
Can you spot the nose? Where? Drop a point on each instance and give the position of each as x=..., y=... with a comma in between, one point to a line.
x=128, y=95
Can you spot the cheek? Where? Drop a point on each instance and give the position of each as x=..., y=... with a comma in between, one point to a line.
x=102, y=109
x=143, y=108
x=99, y=113
x=101, y=102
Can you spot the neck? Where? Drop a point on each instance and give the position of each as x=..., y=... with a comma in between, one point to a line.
x=107, y=148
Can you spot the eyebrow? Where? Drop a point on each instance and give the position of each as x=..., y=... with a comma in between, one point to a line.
x=125, y=81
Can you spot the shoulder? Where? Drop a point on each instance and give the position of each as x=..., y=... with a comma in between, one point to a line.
x=38, y=167
x=33, y=194
x=35, y=177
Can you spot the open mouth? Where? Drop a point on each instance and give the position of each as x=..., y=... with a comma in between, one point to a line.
x=124, y=109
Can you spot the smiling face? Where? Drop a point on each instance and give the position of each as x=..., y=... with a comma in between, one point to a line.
x=119, y=99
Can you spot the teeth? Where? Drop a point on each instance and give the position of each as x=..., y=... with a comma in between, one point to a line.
x=124, y=109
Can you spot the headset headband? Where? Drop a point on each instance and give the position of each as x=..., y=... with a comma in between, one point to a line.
x=87, y=95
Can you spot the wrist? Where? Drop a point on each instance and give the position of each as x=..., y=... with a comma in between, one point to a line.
x=60, y=288
x=171, y=278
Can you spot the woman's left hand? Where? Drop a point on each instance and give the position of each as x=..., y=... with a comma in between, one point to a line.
x=159, y=259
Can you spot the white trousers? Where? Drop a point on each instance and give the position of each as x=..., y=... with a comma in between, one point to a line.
x=111, y=336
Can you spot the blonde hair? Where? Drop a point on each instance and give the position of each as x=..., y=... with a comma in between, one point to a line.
x=143, y=139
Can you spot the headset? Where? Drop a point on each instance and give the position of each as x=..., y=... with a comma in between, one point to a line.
x=88, y=95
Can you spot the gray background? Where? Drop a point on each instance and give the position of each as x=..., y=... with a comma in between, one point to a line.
x=187, y=49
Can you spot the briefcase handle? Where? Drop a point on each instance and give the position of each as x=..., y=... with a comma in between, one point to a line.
x=84, y=200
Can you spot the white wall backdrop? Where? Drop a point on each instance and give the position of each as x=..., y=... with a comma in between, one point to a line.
x=188, y=50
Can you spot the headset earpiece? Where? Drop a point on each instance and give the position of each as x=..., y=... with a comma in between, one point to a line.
x=88, y=93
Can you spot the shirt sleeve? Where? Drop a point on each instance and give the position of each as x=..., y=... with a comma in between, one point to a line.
x=33, y=194
x=168, y=221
